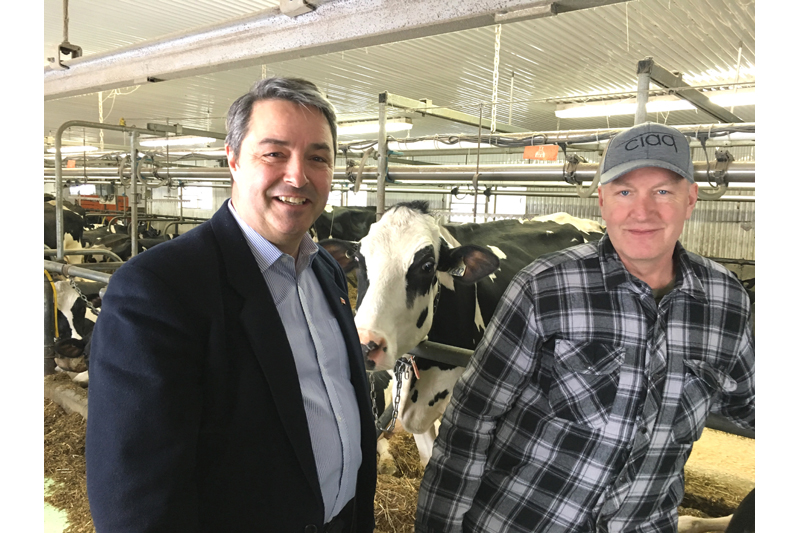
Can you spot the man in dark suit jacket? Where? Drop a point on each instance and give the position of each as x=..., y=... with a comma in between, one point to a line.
x=228, y=392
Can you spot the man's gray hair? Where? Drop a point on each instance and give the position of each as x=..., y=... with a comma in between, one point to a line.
x=299, y=91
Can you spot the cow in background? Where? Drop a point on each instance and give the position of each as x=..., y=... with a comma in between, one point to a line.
x=72, y=228
x=347, y=223
x=75, y=326
x=419, y=279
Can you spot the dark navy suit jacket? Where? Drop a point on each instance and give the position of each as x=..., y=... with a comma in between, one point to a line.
x=196, y=419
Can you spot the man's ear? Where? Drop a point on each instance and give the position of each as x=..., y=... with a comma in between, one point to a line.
x=600, y=195
x=232, y=164
x=693, y=191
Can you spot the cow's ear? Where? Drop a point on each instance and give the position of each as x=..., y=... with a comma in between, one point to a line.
x=468, y=264
x=343, y=251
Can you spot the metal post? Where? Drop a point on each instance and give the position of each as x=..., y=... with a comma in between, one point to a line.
x=642, y=90
x=49, y=329
x=511, y=97
x=477, y=165
x=383, y=166
x=59, y=202
x=134, y=203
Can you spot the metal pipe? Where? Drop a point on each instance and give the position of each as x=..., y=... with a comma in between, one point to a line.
x=59, y=172
x=72, y=270
x=442, y=353
x=86, y=251
x=739, y=171
x=383, y=153
x=180, y=222
x=49, y=329
x=134, y=207
x=642, y=93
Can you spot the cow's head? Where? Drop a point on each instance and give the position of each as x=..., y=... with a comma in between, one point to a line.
x=401, y=263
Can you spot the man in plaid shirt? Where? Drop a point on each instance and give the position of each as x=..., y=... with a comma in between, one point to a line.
x=596, y=374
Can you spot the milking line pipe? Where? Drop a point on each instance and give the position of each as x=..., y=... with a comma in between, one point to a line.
x=739, y=171
x=75, y=271
x=59, y=171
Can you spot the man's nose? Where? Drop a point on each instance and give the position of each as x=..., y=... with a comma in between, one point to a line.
x=295, y=174
x=643, y=206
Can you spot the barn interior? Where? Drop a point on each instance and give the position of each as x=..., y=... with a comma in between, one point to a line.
x=486, y=110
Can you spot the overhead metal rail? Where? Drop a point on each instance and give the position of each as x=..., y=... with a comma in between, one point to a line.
x=269, y=37
x=738, y=172
x=648, y=69
x=426, y=107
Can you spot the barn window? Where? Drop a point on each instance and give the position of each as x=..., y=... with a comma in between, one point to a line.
x=198, y=198
x=86, y=189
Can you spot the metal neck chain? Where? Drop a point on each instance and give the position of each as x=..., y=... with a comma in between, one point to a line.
x=91, y=307
x=402, y=369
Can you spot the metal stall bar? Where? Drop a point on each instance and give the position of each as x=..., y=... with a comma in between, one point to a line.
x=76, y=271
x=59, y=172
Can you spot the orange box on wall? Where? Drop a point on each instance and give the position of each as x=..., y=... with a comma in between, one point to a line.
x=544, y=152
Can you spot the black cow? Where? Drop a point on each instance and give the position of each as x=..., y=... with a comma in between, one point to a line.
x=402, y=264
x=347, y=223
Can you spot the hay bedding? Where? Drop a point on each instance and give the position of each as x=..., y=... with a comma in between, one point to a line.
x=720, y=472
x=64, y=463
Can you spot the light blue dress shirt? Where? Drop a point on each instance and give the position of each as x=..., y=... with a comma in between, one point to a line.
x=320, y=357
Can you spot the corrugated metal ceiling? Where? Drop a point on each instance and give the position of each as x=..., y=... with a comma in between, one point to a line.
x=570, y=56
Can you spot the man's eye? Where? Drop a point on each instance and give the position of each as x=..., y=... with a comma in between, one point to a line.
x=663, y=192
x=624, y=193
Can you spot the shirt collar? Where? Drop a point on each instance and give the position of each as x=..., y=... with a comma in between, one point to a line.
x=266, y=253
x=616, y=275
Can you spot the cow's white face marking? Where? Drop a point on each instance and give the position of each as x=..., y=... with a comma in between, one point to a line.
x=67, y=296
x=388, y=309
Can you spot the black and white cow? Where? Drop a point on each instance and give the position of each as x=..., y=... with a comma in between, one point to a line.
x=72, y=228
x=419, y=279
x=75, y=327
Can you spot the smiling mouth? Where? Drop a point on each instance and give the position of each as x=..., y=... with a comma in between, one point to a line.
x=292, y=200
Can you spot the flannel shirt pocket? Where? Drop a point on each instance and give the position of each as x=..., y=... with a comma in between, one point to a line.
x=701, y=385
x=585, y=378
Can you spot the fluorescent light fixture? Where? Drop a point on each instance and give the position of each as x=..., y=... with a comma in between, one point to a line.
x=177, y=140
x=659, y=104
x=372, y=126
x=73, y=149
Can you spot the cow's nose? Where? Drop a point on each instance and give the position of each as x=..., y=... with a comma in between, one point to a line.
x=373, y=347
x=365, y=350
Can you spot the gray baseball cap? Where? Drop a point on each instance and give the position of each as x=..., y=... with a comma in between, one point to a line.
x=647, y=145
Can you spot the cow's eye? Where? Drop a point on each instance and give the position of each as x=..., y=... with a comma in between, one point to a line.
x=428, y=267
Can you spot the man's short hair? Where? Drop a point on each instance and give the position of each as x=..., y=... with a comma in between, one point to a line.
x=299, y=91
x=647, y=145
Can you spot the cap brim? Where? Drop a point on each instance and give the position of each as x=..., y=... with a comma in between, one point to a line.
x=623, y=168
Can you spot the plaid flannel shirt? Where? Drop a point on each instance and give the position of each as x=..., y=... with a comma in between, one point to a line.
x=580, y=406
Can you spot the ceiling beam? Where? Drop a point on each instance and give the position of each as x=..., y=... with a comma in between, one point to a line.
x=270, y=36
x=674, y=80
x=426, y=107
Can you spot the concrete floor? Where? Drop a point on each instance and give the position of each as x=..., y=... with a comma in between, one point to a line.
x=55, y=520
